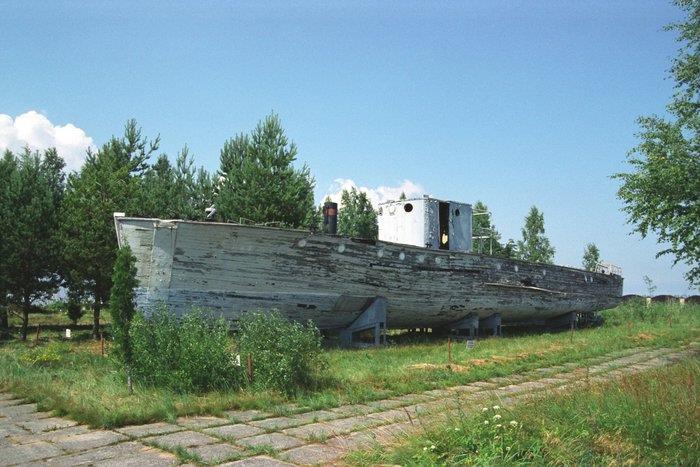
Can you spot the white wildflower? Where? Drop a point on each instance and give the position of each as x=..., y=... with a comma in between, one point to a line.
x=496, y=417
x=499, y=425
x=456, y=429
x=513, y=423
x=507, y=448
x=486, y=422
x=432, y=448
x=484, y=409
x=496, y=407
x=425, y=448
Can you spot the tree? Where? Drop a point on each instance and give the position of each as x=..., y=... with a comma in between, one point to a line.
x=261, y=185
x=591, y=257
x=8, y=167
x=651, y=288
x=488, y=239
x=107, y=183
x=357, y=217
x=662, y=192
x=402, y=197
x=179, y=192
x=122, y=307
x=33, y=196
x=535, y=246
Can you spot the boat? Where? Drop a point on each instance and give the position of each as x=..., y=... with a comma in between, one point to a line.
x=422, y=268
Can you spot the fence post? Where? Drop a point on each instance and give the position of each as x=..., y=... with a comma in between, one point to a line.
x=250, y=368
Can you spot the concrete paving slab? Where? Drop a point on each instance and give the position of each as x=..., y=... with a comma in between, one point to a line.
x=313, y=454
x=386, y=404
x=182, y=439
x=217, y=453
x=352, y=441
x=355, y=409
x=246, y=415
x=90, y=440
x=47, y=424
x=258, y=461
x=275, y=440
x=150, y=429
x=276, y=423
x=24, y=453
x=237, y=431
x=315, y=416
x=199, y=422
x=118, y=454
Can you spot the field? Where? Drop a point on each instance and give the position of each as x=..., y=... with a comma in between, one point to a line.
x=649, y=418
x=74, y=379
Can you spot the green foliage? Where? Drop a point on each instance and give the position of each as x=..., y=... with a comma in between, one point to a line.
x=483, y=227
x=74, y=307
x=286, y=355
x=591, y=257
x=121, y=302
x=31, y=201
x=638, y=311
x=107, y=183
x=179, y=192
x=356, y=217
x=662, y=192
x=261, y=185
x=8, y=167
x=185, y=354
x=535, y=245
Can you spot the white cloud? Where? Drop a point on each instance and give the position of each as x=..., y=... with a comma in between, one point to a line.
x=376, y=195
x=36, y=131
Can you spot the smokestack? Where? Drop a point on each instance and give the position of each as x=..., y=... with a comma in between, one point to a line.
x=330, y=218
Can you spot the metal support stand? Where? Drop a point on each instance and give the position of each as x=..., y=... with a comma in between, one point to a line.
x=373, y=318
x=469, y=323
x=493, y=322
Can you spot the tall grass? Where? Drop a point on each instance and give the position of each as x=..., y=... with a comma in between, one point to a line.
x=92, y=389
x=648, y=418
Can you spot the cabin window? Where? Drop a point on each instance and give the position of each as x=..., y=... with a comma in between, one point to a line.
x=515, y=268
x=341, y=248
x=444, y=214
x=408, y=207
x=456, y=212
x=402, y=256
x=380, y=253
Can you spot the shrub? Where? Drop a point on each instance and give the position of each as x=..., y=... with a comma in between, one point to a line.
x=286, y=355
x=191, y=353
x=74, y=308
x=43, y=356
x=639, y=311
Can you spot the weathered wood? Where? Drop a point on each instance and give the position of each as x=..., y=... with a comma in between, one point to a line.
x=236, y=269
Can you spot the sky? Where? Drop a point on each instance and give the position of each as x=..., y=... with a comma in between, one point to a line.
x=512, y=103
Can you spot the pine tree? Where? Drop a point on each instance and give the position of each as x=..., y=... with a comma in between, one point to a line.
x=107, y=183
x=261, y=185
x=121, y=305
x=535, y=245
x=483, y=227
x=33, y=195
x=591, y=257
x=357, y=217
x=8, y=167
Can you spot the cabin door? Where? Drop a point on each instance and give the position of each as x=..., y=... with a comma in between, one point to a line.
x=444, y=217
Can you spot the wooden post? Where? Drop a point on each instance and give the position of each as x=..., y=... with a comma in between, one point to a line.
x=572, y=332
x=102, y=343
x=449, y=351
x=36, y=340
x=250, y=368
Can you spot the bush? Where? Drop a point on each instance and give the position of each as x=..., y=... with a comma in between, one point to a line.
x=184, y=354
x=286, y=355
x=639, y=311
x=74, y=309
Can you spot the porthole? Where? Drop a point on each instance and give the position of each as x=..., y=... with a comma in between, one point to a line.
x=402, y=256
x=380, y=253
x=302, y=243
x=515, y=268
x=498, y=267
x=456, y=212
x=408, y=207
x=438, y=260
x=420, y=258
x=341, y=248
x=544, y=272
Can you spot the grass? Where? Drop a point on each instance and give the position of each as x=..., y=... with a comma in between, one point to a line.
x=649, y=418
x=73, y=379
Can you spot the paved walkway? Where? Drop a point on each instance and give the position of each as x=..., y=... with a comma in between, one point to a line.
x=256, y=438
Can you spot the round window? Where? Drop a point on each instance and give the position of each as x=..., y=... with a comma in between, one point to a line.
x=408, y=207
x=456, y=212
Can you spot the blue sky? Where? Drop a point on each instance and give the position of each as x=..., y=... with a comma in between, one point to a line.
x=512, y=103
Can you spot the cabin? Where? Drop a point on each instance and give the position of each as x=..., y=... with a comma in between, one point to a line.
x=426, y=222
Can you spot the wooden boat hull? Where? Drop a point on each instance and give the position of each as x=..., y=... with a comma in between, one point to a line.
x=236, y=269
